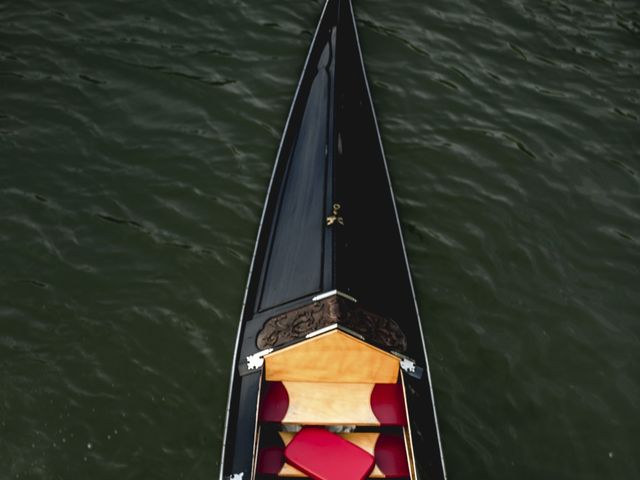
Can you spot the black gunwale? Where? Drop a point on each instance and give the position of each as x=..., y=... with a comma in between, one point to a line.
x=365, y=258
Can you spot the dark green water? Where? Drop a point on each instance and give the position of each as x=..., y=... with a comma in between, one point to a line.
x=136, y=143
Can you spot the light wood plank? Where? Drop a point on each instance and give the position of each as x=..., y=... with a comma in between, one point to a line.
x=329, y=404
x=332, y=357
x=408, y=442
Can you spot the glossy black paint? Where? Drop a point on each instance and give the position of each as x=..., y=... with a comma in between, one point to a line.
x=330, y=153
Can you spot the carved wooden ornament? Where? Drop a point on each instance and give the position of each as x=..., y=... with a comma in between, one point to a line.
x=297, y=323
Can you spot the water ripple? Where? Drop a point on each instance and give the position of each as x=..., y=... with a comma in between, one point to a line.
x=137, y=142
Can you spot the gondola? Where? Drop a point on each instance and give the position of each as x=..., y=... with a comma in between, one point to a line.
x=330, y=378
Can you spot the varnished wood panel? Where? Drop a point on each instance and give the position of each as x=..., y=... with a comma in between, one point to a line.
x=329, y=404
x=332, y=357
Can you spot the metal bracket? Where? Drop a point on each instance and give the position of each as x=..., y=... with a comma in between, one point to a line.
x=409, y=366
x=331, y=293
x=322, y=330
x=334, y=326
x=352, y=332
x=255, y=361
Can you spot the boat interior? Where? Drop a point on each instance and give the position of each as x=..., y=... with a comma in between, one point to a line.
x=332, y=396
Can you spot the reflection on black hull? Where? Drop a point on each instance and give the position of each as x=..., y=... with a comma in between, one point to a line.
x=330, y=225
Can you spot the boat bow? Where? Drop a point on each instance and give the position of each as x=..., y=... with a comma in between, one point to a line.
x=330, y=249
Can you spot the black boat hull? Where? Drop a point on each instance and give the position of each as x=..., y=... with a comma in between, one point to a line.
x=330, y=154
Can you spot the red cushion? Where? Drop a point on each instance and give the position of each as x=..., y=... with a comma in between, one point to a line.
x=391, y=457
x=387, y=403
x=323, y=455
x=275, y=402
x=270, y=461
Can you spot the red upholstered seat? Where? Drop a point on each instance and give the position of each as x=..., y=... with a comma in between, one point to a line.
x=391, y=457
x=387, y=403
x=270, y=460
x=326, y=456
x=387, y=449
x=369, y=404
x=275, y=402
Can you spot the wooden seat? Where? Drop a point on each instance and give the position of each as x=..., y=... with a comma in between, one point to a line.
x=307, y=403
x=333, y=379
x=334, y=357
x=387, y=450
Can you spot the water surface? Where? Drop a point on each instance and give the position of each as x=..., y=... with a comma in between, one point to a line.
x=136, y=144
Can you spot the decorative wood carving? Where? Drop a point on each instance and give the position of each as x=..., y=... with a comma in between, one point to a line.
x=301, y=321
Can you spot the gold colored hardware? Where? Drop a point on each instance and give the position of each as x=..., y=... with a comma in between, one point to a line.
x=335, y=218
